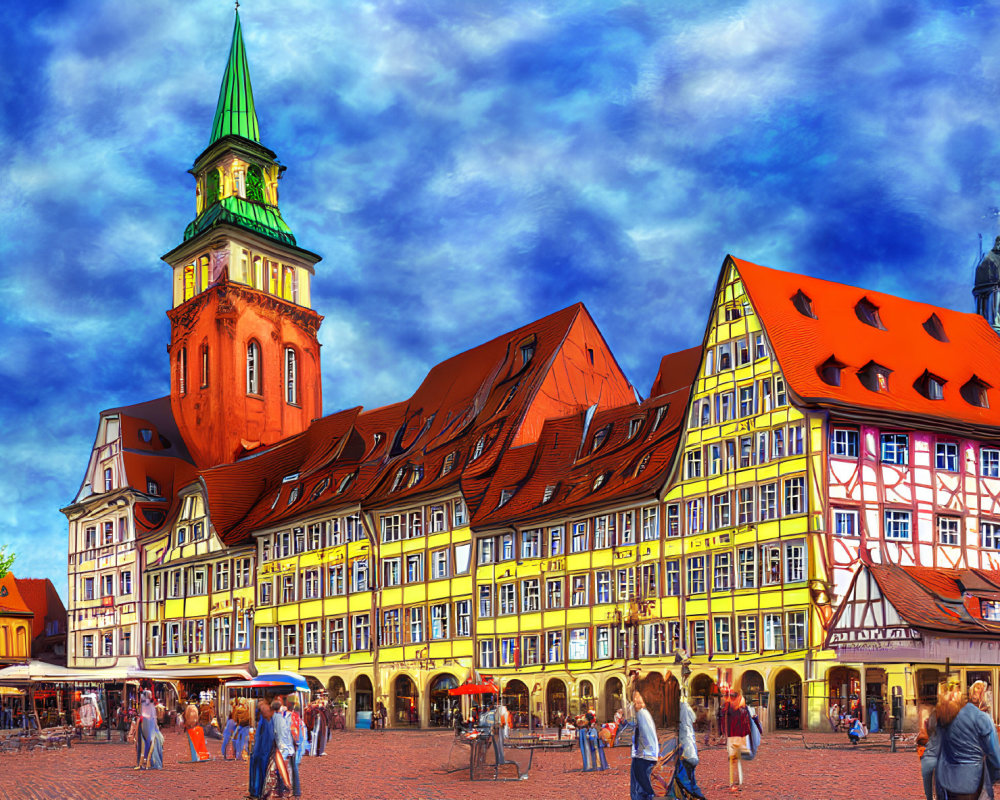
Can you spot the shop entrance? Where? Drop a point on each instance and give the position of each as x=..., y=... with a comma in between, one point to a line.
x=555, y=701
x=876, y=699
x=442, y=703
x=672, y=705
x=405, y=699
x=788, y=700
x=363, y=702
x=612, y=697
x=515, y=697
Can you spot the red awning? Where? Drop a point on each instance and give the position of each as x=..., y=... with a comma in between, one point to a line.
x=475, y=688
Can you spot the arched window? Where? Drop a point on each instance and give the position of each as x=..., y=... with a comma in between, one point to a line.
x=22, y=643
x=182, y=368
x=291, y=376
x=213, y=183
x=253, y=368
x=258, y=273
x=255, y=184
x=204, y=365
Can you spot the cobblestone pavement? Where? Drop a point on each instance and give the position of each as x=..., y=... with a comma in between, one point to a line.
x=394, y=764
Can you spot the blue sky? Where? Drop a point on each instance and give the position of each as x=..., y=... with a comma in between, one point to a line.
x=464, y=168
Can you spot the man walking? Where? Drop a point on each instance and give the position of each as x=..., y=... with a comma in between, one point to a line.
x=645, y=750
x=283, y=738
x=263, y=747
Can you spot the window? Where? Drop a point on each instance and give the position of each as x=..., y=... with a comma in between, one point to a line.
x=747, y=634
x=578, y=590
x=946, y=456
x=486, y=653
x=759, y=346
x=778, y=443
x=725, y=356
x=334, y=580
x=721, y=517
x=989, y=535
x=747, y=567
x=507, y=547
x=696, y=515
x=107, y=644
x=336, y=636
x=88, y=645
x=692, y=464
x=440, y=621
x=578, y=644
x=415, y=519
x=531, y=543
x=768, y=502
x=109, y=482
x=723, y=635
x=461, y=513
x=109, y=533
x=389, y=632
x=722, y=572
x=579, y=541
x=673, y=520
x=725, y=403
x=126, y=643
x=990, y=610
x=780, y=394
x=845, y=522
x=487, y=551
x=508, y=652
x=391, y=528
x=795, y=496
x=362, y=631
x=554, y=593
x=90, y=538
x=604, y=527
x=107, y=585
x=947, y=530
x=746, y=401
x=773, y=636
x=796, y=440
x=648, y=580
x=415, y=568
x=746, y=451
x=265, y=591
x=486, y=601
x=803, y=304
x=182, y=371
x=653, y=639
x=253, y=368
x=288, y=587
x=440, y=564
x=174, y=639
x=989, y=462
x=672, y=578
x=220, y=633
x=391, y=572
x=198, y=531
x=763, y=451
x=463, y=618
x=437, y=519
x=243, y=623
x=531, y=596
x=796, y=630
x=747, y=501
x=603, y=583
x=508, y=599
x=554, y=646
x=222, y=576
x=795, y=562
x=310, y=584
x=699, y=634
x=602, y=644
x=897, y=524
x=556, y=544
x=266, y=642
x=695, y=574
x=895, y=448
x=626, y=584
x=126, y=582
x=770, y=563
x=359, y=576
x=764, y=393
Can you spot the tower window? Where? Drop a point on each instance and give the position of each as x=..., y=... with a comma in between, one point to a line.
x=258, y=273
x=182, y=371
x=109, y=483
x=204, y=273
x=189, y=282
x=204, y=365
x=255, y=184
x=290, y=284
x=213, y=184
x=253, y=368
x=291, y=376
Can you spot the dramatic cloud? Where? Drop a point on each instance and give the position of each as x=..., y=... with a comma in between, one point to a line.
x=464, y=168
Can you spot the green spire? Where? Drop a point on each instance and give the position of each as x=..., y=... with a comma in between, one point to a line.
x=235, y=112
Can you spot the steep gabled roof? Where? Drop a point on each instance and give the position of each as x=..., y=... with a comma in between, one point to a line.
x=11, y=601
x=235, y=114
x=811, y=322
x=592, y=459
x=41, y=597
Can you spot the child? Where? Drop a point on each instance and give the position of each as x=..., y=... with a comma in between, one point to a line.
x=856, y=731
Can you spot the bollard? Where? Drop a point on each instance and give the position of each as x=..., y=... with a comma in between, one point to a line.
x=892, y=734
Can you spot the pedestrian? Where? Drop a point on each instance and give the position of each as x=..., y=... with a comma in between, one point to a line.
x=645, y=750
x=286, y=748
x=327, y=708
x=121, y=721
x=263, y=749
x=318, y=731
x=149, y=740
x=229, y=735
x=928, y=742
x=689, y=749
x=834, y=716
x=968, y=758
x=856, y=731
x=300, y=737
x=735, y=723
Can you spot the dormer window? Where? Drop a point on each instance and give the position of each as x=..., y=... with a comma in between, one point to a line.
x=600, y=480
x=294, y=494
x=867, y=312
x=377, y=439
x=321, y=487
x=829, y=371
x=930, y=386
x=803, y=304
x=874, y=377
x=550, y=490
x=345, y=482
x=152, y=487
x=398, y=480
x=478, y=449
x=416, y=475
x=634, y=426
x=733, y=312
x=527, y=353
x=505, y=495
x=449, y=463
x=974, y=392
x=934, y=327
x=644, y=461
x=661, y=412
x=600, y=438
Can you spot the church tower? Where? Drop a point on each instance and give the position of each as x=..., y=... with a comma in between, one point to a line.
x=986, y=289
x=245, y=360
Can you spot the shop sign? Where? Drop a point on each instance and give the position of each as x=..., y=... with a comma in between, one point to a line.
x=869, y=635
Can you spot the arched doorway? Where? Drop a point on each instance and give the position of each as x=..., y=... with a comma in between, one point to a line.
x=672, y=708
x=752, y=688
x=788, y=700
x=441, y=703
x=405, y=702
x=515, y=697
x=555, y=701
x=704, y=699
x=586, y=697
x=612, y=698
x=363, y=702
x=654, y=694
x=844, y=689
x=336, y=689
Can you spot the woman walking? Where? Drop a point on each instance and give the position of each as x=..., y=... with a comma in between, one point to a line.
x=149, y=740
x=735, y=723
x=968, y=756
x=645, y=750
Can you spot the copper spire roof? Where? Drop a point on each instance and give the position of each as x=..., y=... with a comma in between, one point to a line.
x=235, y=114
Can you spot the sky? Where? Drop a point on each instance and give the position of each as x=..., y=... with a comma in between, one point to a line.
x=464, y=168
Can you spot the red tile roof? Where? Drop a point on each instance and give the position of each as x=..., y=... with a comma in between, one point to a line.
x=572, y=457
x=677, y=371
x=909, y=344
x=41, y=597
x=945, y=601
x=11, y=601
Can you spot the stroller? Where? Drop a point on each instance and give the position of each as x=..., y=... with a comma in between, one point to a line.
x=670, y=775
